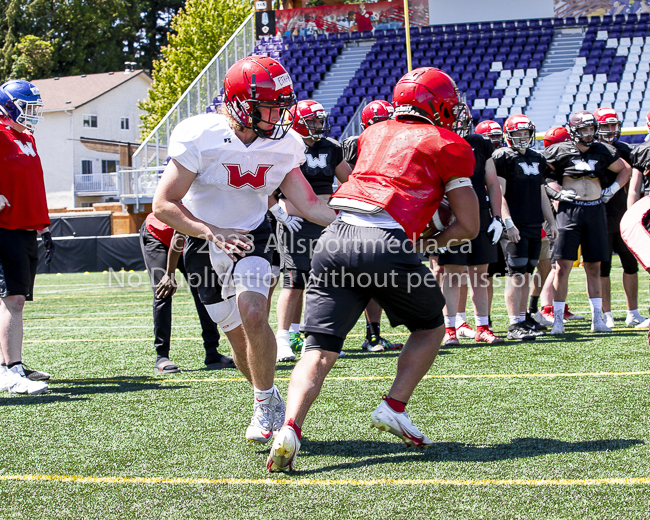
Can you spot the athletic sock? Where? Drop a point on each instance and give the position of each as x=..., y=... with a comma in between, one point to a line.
x=461, y=316
x=482, y=321
x=396, y=405
x=264, y=395
x=295, y=427
x=596, y=306
x=373, y=330
x=18, y=364
x=450, y=323
x=558, y=310
x=294, y=327
x=513, y=320
x=283, y=337
x=522, y=316
x=533, y=305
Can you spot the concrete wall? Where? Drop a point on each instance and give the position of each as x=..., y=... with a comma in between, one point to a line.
x=466, y=11
x=57, y=137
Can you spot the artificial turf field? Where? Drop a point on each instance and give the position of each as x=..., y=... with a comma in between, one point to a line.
x=557, y=428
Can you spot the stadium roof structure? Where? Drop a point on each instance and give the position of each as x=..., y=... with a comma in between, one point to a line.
x=71, y=92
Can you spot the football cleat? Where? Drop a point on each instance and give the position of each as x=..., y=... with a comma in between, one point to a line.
x=558, y=328
x=643, y=325
x=284, y=450
x=598, y=324
x=261, y=426
x=35, y=375
x=465, y=331
x=485, y=335
x=450, y=339
x=295, y=341
x=16, y=383
x=568, y=315
x=279, y=409
x=633, y=320
x=518, y=332
x=542, y=319
x=386, y=419
x=372, y=345
x=285, y=353
x=609, y=320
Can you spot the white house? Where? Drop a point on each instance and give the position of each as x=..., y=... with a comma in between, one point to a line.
x=89, y=122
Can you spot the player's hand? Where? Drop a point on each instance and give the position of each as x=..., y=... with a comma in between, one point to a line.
x=291, y=222
x=513, y=234
x=568, y=195
x=553, y=232
x=497, y=228
x=609, y=192
x=167, y=286
x=230, y=241
x=48, y=244
x=3, y=202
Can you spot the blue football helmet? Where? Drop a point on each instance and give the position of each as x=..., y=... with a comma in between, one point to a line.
x=21, y=102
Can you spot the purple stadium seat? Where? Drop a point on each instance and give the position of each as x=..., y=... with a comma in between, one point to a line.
x=348, y=110
x=483, y=94
x=386, y=90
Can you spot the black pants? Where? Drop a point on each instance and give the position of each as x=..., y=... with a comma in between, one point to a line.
x=155, y=258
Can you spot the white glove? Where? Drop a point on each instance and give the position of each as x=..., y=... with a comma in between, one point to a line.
x=608, y=193
x=568, y=195
x=292, y=223
x=3, y=202
x=497, y=228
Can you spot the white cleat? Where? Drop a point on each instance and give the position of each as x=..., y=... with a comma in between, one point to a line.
x=261, y=426
x=539, y=318
x=599, y=325
x=278, y=412
x=609, y=321
x=15, y=383
x=643, y=325
x=388, y=420
x=633, y=320
x=284, y=450
x=558, y=328
x=465, y=331
x=284, y=353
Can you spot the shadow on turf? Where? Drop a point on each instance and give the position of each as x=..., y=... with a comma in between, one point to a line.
x=385, y=452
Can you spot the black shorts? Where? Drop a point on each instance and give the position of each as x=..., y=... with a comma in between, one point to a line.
x=351, y=266
x=18, y=262
x=582, y=224
x=479, y=251
x=499, y=267
x=296, y=251
x=201, y=274
x=522, y=257
x=275, y=259
x=618, y=246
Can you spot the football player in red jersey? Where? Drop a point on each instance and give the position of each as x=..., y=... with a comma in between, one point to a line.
x=405, y=167
x=324, y=164
x=581, y=165
x=225, y=167
x=609, y=131
x=374, y=112
x=23, y=216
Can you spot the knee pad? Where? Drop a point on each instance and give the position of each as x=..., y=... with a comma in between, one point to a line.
x=225, y=314
x=275, y=271
x=634, y=227
x=530, y=267
x=327, y=342
x=605, y=269
x=253, y=273
x=295, y=279
x=517, y=265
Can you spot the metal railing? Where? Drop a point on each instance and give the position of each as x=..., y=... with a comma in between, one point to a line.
x=153, y=150
x=137, y=186
x=96, y=184
x=354, y=126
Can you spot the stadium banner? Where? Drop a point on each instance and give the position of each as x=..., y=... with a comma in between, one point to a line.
x=264, y=23
x=565, y=8
x=350, y=17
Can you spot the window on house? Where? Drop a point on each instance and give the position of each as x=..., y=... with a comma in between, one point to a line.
x=109, y=166
x=124, y=123
x=90, y=121
x=86, y=167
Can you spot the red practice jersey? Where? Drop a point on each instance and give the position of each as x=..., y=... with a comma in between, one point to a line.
x=403, y=168
x=159, y=229
x=21, y=182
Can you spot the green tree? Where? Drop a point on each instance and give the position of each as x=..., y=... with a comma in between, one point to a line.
x=201, y=28
x=33, y=59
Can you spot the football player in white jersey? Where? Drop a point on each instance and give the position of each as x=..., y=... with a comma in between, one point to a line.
x=225, y=167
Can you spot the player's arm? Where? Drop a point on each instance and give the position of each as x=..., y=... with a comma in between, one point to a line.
x=511, y=229
x=624, y=174
x=172, y=187
x=342, y=171
x=3, y=202
x=493, y=187
x=548, y=215
x=464, y=205
x=636, y=186
x=299, y=192
x=167, y=285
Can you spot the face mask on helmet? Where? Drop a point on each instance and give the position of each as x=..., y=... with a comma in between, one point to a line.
x=275, y=116
x=21, y=102
x=609, y=132
x=463, y=123
x=520, y=139
x=496, y=136
x=585, y=135
x=317, y=125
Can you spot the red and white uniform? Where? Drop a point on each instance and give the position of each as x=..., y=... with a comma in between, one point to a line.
x=403, y=168
x=21, y=182
x=159, y=229
x=233, y=181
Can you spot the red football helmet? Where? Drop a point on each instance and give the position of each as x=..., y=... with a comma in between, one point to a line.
x=376, y=111
x=258, y=82
x=492, y=130
x=515, y=123
x=578, y=126
x=647, y=121
x=604, y=118
x=430, y=94
x=311, y=120
x=556, y=134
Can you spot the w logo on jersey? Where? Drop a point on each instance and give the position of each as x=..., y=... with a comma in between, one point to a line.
x=530, y=169
x=256, y=180
x=26, y=148
x=316, y=162
x=585, y=166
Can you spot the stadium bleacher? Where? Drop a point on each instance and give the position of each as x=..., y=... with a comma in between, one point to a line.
x=496, y=65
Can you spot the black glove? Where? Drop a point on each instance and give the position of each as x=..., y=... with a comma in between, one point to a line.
x=48, y=244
